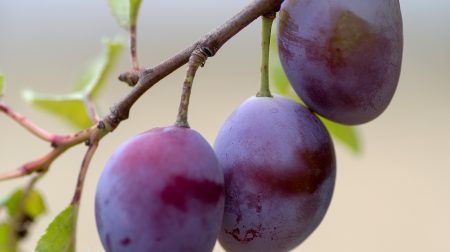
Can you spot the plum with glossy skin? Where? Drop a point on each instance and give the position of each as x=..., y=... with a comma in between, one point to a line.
x=279, y=167
x=342, y=57
x=161, y=191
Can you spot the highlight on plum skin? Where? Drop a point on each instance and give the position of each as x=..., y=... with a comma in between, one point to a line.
x=161, y=190
x=279, y=167
x=342, y=57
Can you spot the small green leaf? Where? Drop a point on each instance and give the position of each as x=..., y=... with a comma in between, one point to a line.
x=5, y=234
x=5, y=230
x=347, y=135
x=21, y=213
x=126, y=11
x=1, y=84
x=94, y=79
x=134, y=11
x=121, y=9
x=60, y=234
x=34, y=203
x=71, y=108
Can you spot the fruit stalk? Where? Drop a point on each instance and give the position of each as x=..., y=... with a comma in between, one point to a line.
x=197, y=59
x=267, y=21
x=83, y=171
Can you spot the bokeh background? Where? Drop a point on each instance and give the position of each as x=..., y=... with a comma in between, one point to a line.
x=394, y=196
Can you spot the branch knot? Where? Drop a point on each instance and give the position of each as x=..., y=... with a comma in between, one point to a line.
x=199, y=56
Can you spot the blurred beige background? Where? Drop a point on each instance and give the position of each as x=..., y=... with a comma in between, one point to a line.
x=393, y=197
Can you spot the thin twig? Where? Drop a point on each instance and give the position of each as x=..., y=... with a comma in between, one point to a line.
x=133, y=48
x=40, y=164
x=83, y=171
x=90, y=107
x=27, y=124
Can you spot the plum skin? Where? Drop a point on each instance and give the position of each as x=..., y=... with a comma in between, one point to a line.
x=279, y=167
x=161, y=191
x=342, y=57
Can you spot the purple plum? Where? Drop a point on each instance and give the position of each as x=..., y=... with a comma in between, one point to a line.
x=342, y=57
x=161, y=191
x=279, y=166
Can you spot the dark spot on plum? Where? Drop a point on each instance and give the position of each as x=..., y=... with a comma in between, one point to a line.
x=320, y=163
x=181, y=189
x=316, y=167
x=125, y=241
x=235, y=233
x=251, y=234
x=232, y=197
x=248, y=236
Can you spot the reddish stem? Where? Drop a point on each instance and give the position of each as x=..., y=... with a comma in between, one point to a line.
x=27, y=124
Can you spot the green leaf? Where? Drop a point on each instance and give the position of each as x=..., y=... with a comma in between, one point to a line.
x=121, y=9
x=125, y=11
x=71, y=108
x=5, y=232
x=34, y=203
x=95, y=77
x=20, y=217
x=134, y=11
x=346, y=135
x=1, y=84
x=60, y=234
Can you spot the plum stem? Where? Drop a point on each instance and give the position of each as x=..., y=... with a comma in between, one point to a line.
x=83, y=171
x=197, y=59
x=267, y=21
x=133, y=47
